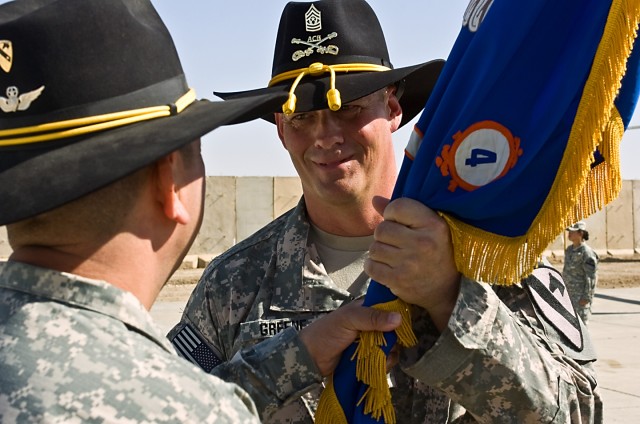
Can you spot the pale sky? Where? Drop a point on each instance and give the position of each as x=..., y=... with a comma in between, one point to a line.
x=228, y=46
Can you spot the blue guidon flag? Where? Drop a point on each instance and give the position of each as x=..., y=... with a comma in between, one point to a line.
x=519, y=139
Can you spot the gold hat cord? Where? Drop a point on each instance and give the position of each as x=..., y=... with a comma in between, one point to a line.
x=90, y=124
x=317, y=69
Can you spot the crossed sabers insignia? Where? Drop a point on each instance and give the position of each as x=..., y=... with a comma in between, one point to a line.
x=330, y=49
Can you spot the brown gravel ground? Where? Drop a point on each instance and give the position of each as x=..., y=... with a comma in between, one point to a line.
x=615, y=273
x=612, y=273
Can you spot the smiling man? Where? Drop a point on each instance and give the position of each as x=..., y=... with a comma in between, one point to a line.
x=311, y=260
x=483, y=354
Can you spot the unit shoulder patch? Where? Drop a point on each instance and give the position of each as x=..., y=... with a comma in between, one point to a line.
x=551, y=299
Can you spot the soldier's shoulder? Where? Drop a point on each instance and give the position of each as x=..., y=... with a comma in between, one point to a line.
x=249, y=260
x=258, y=241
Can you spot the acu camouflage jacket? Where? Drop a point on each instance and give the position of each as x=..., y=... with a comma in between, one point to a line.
x=78, y=350
x=497, y=361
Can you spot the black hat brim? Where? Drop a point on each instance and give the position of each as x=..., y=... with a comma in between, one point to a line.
x=417, y=83
x=42, y=177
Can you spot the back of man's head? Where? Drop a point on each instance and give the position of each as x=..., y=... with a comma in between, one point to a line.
x=92, y=219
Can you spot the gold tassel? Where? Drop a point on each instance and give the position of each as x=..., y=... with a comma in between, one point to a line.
x=371, y=369
x=377, y=403
x=329, y=409
x=577, y=191
x=371, y=366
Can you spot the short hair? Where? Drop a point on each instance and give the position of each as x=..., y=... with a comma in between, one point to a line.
x=97, y=215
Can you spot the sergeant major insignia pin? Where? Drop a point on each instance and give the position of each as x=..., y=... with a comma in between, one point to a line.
x=6, y=55
x=313, y=19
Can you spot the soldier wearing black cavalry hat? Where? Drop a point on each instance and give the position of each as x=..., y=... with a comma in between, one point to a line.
x=484, y=354
x=101, y=187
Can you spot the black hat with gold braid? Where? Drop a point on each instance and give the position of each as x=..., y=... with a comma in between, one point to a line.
x=331, y=52
x=91, y=91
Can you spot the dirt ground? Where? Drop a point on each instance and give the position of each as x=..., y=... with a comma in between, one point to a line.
x=612, y=273
x=615, y=273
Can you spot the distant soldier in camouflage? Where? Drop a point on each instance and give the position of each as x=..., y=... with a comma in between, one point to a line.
x=580, y=270
x=484, y=355
x=101, y=187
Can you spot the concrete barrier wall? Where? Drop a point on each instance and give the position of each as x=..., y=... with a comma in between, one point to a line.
x=235, y=207
x=614, y=230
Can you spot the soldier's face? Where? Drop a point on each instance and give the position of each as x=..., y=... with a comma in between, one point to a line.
x=347, y=154
x=575, y=236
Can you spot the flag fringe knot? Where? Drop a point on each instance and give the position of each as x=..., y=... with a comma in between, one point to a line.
x=371, y=369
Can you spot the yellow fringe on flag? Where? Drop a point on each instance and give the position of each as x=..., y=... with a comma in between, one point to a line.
x=371, y=369
x=377, y=403
x=578, y=190
x=329, y=410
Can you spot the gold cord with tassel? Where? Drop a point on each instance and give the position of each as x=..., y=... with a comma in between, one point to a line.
x=371, y=369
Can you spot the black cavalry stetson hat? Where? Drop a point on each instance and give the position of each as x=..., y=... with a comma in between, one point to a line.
x=91, y=91
x=331, y=52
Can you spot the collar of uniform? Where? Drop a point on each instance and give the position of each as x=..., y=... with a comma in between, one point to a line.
x=293, y=288
x=95, y=295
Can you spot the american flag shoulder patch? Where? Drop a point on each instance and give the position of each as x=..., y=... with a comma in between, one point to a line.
x=192, y=347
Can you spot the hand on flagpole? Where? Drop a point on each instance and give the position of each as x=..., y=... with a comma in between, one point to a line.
x=413, y=256
x=328, y=337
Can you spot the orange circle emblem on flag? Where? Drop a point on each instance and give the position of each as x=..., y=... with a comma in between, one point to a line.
x=482, y=153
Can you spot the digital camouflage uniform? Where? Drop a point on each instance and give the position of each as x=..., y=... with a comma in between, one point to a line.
x=498, y=363
x=79, y=350
x=579, y=273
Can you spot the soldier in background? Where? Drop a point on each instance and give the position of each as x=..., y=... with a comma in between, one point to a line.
x=580, y=270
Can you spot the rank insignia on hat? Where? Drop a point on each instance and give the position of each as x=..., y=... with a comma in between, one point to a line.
x=481, y=154
x=313, y=19
x=13, y=102
x=6, y=55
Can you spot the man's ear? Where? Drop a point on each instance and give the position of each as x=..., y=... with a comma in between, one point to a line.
x=168, y=189
x=395, y=110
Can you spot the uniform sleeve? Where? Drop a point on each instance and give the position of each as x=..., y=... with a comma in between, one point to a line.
x=590, y=267
x=204, y=336
x=273, y=372
x=499, y=369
